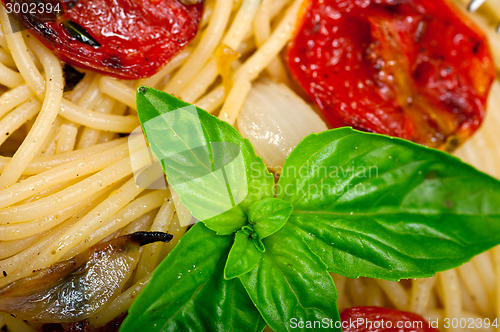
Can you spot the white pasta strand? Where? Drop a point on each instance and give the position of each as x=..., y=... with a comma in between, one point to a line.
x=118, y=90
x=66, y=197
x=210, y=39
x=151, y=253
x=50, y=108
x=273, y=45
x=15, y=119
x=96, y=120
x=13, y=98
x=21, y=56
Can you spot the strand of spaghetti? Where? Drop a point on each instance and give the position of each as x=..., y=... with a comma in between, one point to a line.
x=483, y=265
x=477, y=150
x=21, y=56
x=143, y=223
x=23, y=230
x=3, y=41
x=66, y=197
x=75, y=95
x=49, y=144
x=232, y=39
x=117, y=109
x=177, y=231
x=277, y=69
x=473, y=285
x=10, y=248
x=150, y=253
x=13, y=98
x=175, y=63
x=40, y=164
x=6, y=58
x=198, y=86
x=23, y=263
x=66, y=138
x=61, y=174
x=212, y=100
x=273, y=45
x=234, y=101
x=395, y=292
x=92, y=221
x=89, y=136
x=451, y=293
x=9, y=78
x=277, y=6
x=356, y=289
x=15, y=119
x=21, y=260
x=209, y=41
x=340, y=284
x=96, y=120
x=242, y=23
x=133, y=210
x=262, y=22
x=420, y=294
x=496, y=262
x=119, y=305
x=118, y=90
x=374, y=295
x=50, y=108
x=51, y=190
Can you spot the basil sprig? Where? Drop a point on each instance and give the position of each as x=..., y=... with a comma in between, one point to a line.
x=348, y=202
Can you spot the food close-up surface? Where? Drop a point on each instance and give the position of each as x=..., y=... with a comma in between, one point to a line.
x=249, y=165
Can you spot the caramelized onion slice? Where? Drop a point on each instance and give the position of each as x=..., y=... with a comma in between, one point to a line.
x=71, y=290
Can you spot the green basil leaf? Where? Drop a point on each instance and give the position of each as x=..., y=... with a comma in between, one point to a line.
x=243, y=256
x=291, y=283
x=208, y=163
x=375, y=206
x=268, y=216
x=188, y=292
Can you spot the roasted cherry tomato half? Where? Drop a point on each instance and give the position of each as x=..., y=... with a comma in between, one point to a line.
x=378, y=319
x=123, y=38
x=416, y=69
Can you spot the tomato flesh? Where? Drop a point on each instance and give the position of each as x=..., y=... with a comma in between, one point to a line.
x=378, y=319
x=416, y=69
x=129, y=38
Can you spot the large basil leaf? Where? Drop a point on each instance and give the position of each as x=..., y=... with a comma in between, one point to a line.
x=188, y=292
x=209, y=164
x=375, y=206
x=291, y=283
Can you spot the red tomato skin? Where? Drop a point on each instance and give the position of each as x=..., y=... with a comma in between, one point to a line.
x=416, y=69
x=136, y=37
x=380, y=318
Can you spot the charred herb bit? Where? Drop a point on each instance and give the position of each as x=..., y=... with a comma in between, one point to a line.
x=71, y=77
x=144, y=238
x=79, y=33
x=267, y=259
x=71, y=290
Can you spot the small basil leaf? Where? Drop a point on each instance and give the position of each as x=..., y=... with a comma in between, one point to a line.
x=227, y=222
x=243, y=256
x=381, y=207
x=187, y=291
x=269, y=215
x=209, y=164
x=291, y=282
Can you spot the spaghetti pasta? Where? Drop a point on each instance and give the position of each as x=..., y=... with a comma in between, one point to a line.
x=69, y=183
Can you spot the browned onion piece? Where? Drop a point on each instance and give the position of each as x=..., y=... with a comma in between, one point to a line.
x=69, y=291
